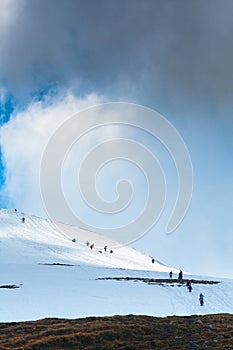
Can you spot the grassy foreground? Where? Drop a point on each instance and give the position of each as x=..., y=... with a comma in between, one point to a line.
x=121, y=332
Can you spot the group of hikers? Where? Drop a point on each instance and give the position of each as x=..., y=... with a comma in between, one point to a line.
x=188, y=285
x=100, y=251
x=22, y=219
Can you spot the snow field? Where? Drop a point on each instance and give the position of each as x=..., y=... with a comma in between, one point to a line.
x=73, y=291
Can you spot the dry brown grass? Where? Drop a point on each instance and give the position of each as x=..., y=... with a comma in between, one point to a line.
x=120, y=332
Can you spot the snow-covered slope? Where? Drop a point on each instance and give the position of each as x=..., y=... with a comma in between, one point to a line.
x=27, y=251
x=39, y=240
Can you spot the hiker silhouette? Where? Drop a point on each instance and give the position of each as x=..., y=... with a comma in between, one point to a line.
x=201, y=299
x=180, y=275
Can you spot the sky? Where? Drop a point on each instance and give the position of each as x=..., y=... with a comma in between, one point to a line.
x=174, y=56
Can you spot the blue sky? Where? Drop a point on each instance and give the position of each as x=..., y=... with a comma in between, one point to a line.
x=175, y=57
x=6, y=110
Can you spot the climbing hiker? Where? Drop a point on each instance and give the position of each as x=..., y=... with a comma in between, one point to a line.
x=190, y=288
x=180, y=275
x=87, y=243
x=105, y=248
x=153, y=260
x=23, y=219
x=92, y=246
x=170, y=274
x=201, y=299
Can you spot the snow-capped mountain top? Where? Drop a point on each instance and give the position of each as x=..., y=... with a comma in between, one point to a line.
x=39, y=240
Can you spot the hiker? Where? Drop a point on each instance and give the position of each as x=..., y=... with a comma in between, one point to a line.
x=170, y=274
x=111, y=251
x=87, y=243
x=15, y=210
x=180, y=276
x=105, y=248
x=92, y=246
x=188, y=284
x=23, y=219
x=153, y=260
x=201, y=299
x=190, y=288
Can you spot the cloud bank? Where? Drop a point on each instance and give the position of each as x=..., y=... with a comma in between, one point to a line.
x=23, y=140
x=148, y=51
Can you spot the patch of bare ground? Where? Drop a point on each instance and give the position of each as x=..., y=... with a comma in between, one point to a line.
x=160, y=281
x=57, y=264
x=121, y=332
x=9, y=286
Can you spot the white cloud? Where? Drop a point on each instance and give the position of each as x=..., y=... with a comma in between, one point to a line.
x=23, y=140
